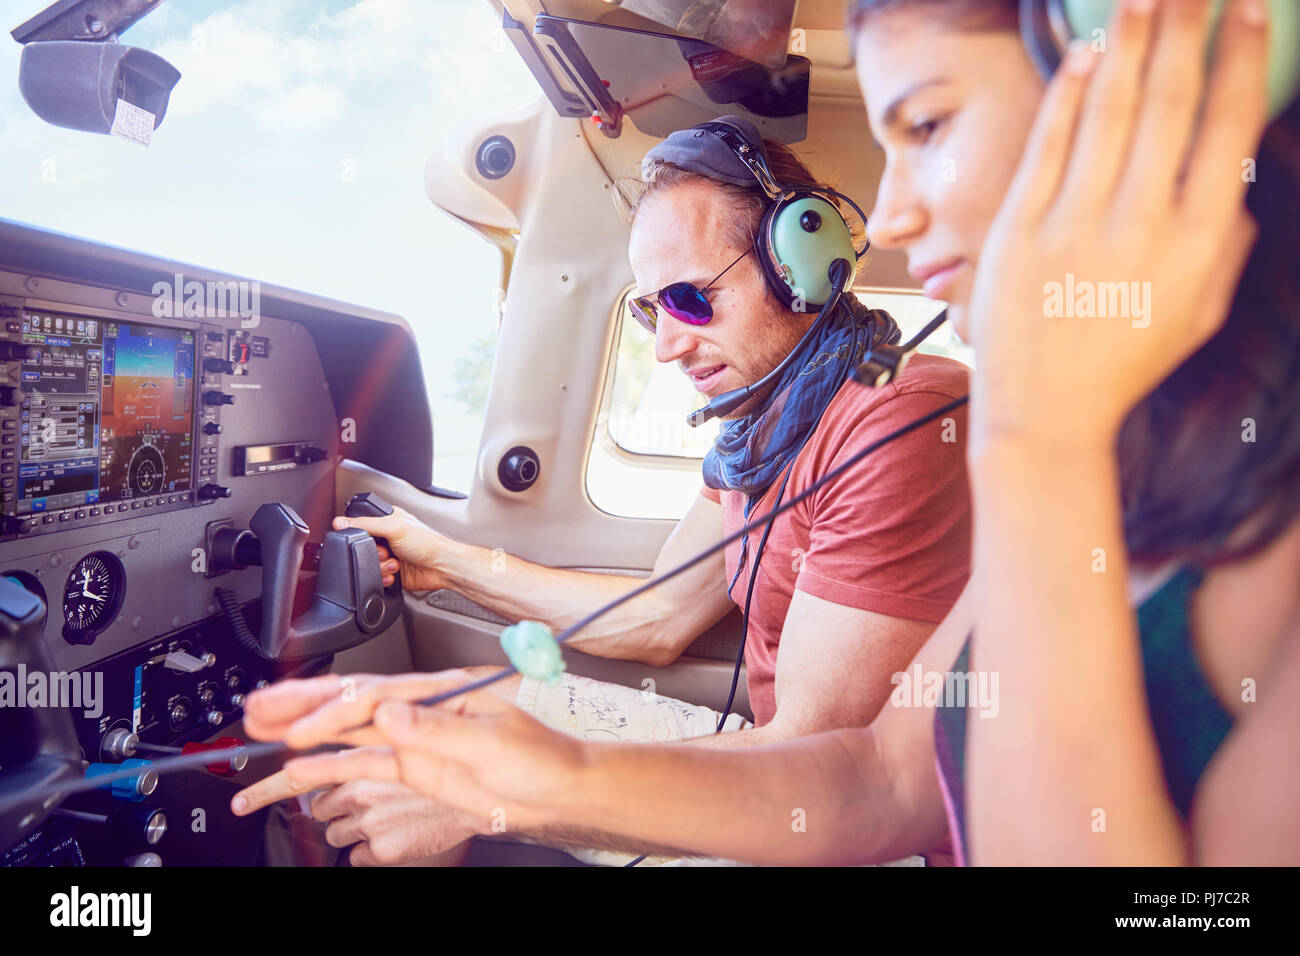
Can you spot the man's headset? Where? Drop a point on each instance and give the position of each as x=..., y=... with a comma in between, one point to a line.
x=801, y=236
x=802, y=231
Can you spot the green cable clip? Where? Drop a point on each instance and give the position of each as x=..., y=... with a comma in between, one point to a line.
x=534, y=651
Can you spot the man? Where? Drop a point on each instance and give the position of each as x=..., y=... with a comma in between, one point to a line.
x=851, y=581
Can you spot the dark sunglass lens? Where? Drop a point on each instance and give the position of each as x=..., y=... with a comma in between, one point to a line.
x=686, y=303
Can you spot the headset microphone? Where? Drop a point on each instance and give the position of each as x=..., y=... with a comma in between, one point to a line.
x=884, y=363
x=838, y=273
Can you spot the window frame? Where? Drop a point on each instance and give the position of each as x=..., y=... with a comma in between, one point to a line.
x=603, y=434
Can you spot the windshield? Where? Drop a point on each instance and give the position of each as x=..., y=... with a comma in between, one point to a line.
x=293, y=152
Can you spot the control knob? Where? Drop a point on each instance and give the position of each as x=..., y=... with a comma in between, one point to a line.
x=228, y=767
x=133, y=822
x=118, y=744
x=134, y=788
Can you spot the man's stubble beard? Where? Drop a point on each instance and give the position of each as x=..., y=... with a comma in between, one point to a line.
x=760, y=398
x=755, y=403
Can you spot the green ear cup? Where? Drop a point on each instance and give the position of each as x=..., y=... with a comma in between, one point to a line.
x=806, y=236
x=1086, y=16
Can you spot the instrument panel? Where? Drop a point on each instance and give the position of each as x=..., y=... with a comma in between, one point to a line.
x=125, y=438
x=130, y=435
x=102, y=417
x=115, y=466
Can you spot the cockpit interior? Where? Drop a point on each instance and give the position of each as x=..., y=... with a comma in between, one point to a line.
x=420, y=308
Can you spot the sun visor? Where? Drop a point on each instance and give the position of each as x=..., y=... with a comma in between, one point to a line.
x=661, y=82
x=756, y=30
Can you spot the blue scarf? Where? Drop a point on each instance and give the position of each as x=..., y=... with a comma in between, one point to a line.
x=750, y=452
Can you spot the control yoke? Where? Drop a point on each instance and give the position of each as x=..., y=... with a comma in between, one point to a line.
x=38, y=745
x=351, y=604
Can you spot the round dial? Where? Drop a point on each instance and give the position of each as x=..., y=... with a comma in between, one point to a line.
x=146, y=471
x=92, y=596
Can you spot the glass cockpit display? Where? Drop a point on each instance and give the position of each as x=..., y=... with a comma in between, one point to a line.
x=107, y=411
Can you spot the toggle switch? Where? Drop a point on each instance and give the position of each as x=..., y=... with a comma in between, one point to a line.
x=183, y=662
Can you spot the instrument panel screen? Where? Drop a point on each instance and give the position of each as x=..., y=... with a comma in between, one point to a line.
x=107, y=411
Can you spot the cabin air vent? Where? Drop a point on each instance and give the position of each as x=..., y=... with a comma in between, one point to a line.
x=495, y=157
x=519, y=468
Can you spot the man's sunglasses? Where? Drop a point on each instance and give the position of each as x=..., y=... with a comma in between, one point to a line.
x=681, y=300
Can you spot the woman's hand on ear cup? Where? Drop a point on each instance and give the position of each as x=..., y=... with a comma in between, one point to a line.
x=1118, y=248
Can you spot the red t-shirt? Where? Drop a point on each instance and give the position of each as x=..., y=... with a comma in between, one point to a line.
x=891, y=535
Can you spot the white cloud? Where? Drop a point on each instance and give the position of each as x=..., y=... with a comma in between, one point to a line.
x=230, y=56
x=303, y=107
x=255, y=51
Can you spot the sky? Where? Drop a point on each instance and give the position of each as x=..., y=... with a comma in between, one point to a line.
x=293, y=153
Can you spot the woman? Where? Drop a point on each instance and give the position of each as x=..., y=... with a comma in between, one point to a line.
x=1146, y=455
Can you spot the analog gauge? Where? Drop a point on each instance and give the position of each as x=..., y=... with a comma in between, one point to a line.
x=92, y=596
x=29, y=582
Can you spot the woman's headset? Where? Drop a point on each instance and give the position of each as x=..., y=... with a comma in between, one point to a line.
x=1048, y=26
x=802, y=231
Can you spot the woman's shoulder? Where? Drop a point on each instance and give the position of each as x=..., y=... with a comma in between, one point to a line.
x=1247, y=610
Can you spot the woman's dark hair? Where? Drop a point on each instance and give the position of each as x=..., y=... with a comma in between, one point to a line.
x=1214, y=450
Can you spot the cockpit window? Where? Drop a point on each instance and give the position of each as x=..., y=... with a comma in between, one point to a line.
x=293, y=152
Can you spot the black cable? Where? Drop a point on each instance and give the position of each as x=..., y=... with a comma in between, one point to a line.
x=852, y=359
x=235, y=618
x=762, y=544
x=165, y=765
x=749, y=594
